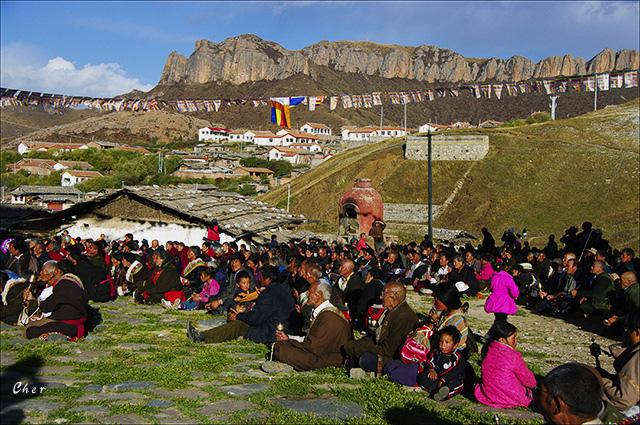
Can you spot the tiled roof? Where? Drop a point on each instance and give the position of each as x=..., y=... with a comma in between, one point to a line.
x=83, y=173
x=45, y=190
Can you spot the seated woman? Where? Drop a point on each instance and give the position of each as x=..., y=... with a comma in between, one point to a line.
x=164, y=279
x=506, y=380
x=63, y=309
x=190, y=278
x=210, y=288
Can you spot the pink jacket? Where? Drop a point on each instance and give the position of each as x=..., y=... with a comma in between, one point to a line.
x=210, y=289
x=506, y=380
x=486, y=272
x=504, y=292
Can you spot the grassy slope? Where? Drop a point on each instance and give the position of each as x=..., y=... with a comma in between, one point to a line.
x=543, y=176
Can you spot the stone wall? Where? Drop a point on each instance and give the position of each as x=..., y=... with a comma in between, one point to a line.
x=408, y=213
x=448, y=148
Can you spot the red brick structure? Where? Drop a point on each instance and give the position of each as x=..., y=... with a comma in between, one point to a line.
x=359, y=207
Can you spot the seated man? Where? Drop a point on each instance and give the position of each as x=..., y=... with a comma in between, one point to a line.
x=571, y=394
x=560, y=301
x=64, y=310
x=596, y=300
x=627, y=299
x=273, y=306
x=622, y=389
x=320, y=348
x=398, y=320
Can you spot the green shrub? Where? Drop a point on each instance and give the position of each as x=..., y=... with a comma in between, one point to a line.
x=537, y=117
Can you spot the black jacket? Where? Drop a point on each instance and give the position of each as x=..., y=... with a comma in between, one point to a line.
x=273, y=306
x=67, y=302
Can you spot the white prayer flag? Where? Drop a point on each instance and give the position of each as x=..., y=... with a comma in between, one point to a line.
x=216, y=104
x=333, y=102
x=603, y=82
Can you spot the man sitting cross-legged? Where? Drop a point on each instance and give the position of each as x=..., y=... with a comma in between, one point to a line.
x=374, y=352
x=273, y=306
x=320, y=348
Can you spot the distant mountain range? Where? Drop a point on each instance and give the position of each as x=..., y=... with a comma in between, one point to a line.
x=248, y=59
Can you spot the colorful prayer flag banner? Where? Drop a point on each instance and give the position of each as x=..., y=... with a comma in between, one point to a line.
x=377, y=101
x=616, y=81
x=497, y=90
x=603, y=82
x=485, y=90
x=366, y=100
x=589, y=84
x=346, y=101
x=333, y=102
x=216, y=104
x=631, y=79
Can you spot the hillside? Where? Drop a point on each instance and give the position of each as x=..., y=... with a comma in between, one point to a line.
x=18, y=121
x=123, y=127
x=544, y=177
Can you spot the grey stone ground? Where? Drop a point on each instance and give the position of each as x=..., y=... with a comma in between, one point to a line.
x=138, y=367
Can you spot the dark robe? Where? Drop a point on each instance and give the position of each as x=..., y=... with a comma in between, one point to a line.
x=68, y=301
x=11, y=305
x=93, y=273
x=321, y=347
x=162, y=280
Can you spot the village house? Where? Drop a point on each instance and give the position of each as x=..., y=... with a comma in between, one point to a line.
x=316, y=128
x=278, y=153
x=40, y=167
x=73, y=177
x=169, y=213
x=26, y=147
x=265, y=138
x=44, y=167
x=289, y=137
x=241, y=136
x=50, y=197
x=213, y=133
x=371, y=133
x=429, y=127
x=255, y=173
x=309, y=147
x=208, y=172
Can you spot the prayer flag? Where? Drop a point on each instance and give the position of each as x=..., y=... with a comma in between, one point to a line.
x=216, y=104
x=366, y=100
x=476, y=91
x=631, y=79
x=603, y=82
x=376, y=98
x=497, y=90
x=312, y=103
x=589, y=84
x=615, y=81
x=346, y=101
x=333, y=102
x=485, y=89
x=523, y=87
x=547, y=86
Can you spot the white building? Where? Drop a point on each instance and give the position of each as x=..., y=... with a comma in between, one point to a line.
x=425, y=128
x=371, y=133
x=316, y=128
x=308, y=147
x=73, y=177
x=265, y=138
x=285, y=154
x=213, y=133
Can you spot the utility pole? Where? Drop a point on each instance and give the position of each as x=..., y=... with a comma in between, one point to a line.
x=430, y=186
x=553, y=106
x=288, y=195
x=381, y=116
x=595, y=96
x=405, y=118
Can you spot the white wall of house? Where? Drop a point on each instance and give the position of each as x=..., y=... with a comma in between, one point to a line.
x=68, y=179
x=17, y=199
x=314, y=130
x=23, y=148
x=207, y=134
x=275, y=155
x=427, y=127
x=116, y=228
x=267, y=141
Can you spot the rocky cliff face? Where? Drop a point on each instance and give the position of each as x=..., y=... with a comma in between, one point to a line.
x=248, y=58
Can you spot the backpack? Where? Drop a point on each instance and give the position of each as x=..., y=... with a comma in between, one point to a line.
x=417, y=345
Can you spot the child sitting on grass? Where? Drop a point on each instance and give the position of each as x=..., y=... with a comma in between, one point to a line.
x=243, y=298
x=443, y=374
x=210, y=288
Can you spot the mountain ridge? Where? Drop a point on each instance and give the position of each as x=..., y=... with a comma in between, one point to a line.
x=249, y=58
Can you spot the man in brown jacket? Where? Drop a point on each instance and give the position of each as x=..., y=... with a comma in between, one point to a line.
x=622, y=390
x=329, y=330
x=398, y=320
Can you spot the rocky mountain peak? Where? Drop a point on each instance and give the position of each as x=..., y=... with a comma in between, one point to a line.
x=247, y=58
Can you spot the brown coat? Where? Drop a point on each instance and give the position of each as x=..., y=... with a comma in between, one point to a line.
x=624, y=391
x=389, y=337
x=321, y=347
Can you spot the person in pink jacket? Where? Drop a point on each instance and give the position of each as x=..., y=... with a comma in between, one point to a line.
x=506, y=382
x=486, y=271
x=502, y=301
x=210, y=288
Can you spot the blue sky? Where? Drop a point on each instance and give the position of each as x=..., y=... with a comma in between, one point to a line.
x=107, y=48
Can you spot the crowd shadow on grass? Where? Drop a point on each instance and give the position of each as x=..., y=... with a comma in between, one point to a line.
x=414, y=414
x=12, y=384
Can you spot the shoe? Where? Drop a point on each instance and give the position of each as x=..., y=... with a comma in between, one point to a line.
x=193, y=334
x=176, y=303
x=358, y=373
x=347, y=365
x=166, y=304
x=442, y=394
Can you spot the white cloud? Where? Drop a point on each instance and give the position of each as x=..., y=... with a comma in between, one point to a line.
x=31, y=71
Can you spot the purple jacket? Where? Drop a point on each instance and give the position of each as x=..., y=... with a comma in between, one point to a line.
x=504, y=292
x=210, y=289
x=506, y=380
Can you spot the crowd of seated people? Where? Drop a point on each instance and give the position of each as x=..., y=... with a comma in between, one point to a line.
x=318, y=304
